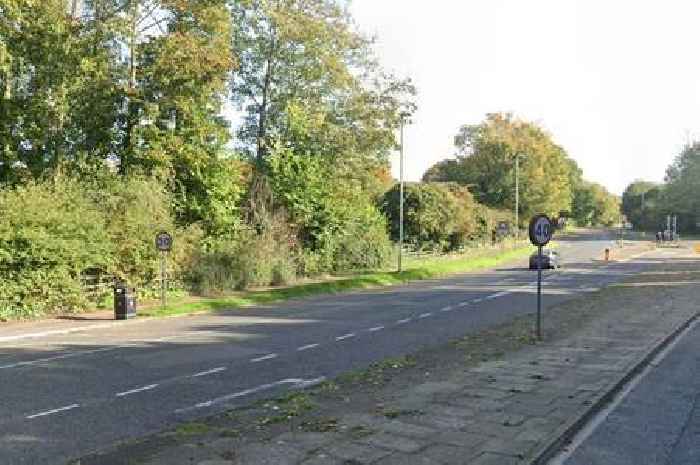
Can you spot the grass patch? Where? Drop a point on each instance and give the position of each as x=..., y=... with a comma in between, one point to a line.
x=415, y=270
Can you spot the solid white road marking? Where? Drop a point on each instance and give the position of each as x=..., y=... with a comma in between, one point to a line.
x=51, y=412
x=375, y=329
x=497, y=295
x=345, y=336
x=294, y=382
x=137, y=390
x=425, y=315
x=404, y=321
x=308, y=347
x=209, y=372
x=57, y=357
x=263, y=358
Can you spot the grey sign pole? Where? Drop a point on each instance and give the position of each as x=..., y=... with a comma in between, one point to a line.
x=539, y=294
x=163, y=284
x=541, y=230
x=164, y=244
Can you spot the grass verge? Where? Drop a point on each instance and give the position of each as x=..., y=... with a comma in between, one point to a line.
x=416, y=270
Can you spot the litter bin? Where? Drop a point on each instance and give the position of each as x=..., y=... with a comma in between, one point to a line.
x=124, y=302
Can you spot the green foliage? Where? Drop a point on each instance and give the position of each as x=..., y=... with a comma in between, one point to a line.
x=336, y=222
x=249, y=259
x=436, y=215
x=308, y=81
x=486, y=163
x=50, y=234
x=134, y=210
x=595, y=206
x=678, y=196
x=123, y=101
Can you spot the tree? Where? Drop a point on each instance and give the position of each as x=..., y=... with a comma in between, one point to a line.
x=307, y=80
x=437, y=215
x=594, y=206
x=639, y=204
x=58, y=102
x=679, y=196
x=486, y=163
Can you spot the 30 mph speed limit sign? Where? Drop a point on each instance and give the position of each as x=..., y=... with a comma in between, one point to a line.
x=541, y=230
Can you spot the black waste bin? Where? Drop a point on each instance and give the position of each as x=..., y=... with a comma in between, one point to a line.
x=124, y=302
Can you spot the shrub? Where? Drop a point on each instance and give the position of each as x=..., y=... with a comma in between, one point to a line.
x=436, y=215
x=337, y=223
x=49, y=234
x=248, y=259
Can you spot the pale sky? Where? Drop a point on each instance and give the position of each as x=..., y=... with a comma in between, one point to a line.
x=616, y=82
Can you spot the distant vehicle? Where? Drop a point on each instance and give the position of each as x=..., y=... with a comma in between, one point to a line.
x=550, y=260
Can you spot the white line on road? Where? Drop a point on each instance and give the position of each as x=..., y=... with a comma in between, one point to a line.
x=425, y=315
x=345, y=336
x=476, y=301
x=449, y=308
x=307, y=347
x=51, y=412
x=375, y=329
x=263, y=358
x=57, y=357
x=497, y=295
x=404, y=321
x=209, y=372
x=293, y=382
x=137, y=390
x=463, y=304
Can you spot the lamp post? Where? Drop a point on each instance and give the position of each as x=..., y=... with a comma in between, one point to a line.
x=517, y=196
x=403, y=122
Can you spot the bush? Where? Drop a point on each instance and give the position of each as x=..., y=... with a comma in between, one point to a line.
x=135, y=211
x=337, y=223
x=436, y=215
x=49, y=234
x=248, y=259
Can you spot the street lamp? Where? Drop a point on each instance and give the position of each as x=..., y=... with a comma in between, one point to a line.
x=404, y=116
x=517, y=196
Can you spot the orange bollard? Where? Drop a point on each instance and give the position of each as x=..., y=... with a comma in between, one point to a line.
x=607, y=255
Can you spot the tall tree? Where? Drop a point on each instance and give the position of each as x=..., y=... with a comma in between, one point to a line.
x=307, y=80
x=486, y=162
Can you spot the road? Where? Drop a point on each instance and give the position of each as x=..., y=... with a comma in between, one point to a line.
x=64, y=396
x=658, y=422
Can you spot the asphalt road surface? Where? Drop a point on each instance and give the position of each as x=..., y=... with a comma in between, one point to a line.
x=64, y=396
x=658, y=422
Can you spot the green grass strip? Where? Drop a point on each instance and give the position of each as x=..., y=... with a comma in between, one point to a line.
x=416, y=270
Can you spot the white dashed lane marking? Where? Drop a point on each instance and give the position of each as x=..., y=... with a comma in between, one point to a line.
x=425, y=315
x=449, y=308
x=345, y=336
x=51, y=412
x=263, y=358
x=209, y=372
x=137, y=390
x=404, y=321
x=307, y=347
x=375, y=329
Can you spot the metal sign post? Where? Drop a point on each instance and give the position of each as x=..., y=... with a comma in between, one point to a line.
x=538, y=328
x=541, y=230
x=164, y=244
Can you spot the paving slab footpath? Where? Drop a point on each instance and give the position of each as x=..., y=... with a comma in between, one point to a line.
x=511, y=410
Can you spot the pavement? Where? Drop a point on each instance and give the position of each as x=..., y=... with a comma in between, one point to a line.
x=69, y=393
x=657, y=422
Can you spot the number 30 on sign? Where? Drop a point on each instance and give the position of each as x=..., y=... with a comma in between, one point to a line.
x=541, y=230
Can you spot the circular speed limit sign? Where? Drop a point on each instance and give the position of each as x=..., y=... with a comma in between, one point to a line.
x=164, y=241
x=541, y=230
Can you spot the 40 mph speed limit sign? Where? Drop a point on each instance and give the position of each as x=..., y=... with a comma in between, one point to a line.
x=541, y=230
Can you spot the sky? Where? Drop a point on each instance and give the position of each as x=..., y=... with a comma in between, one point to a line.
x=615, y=82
